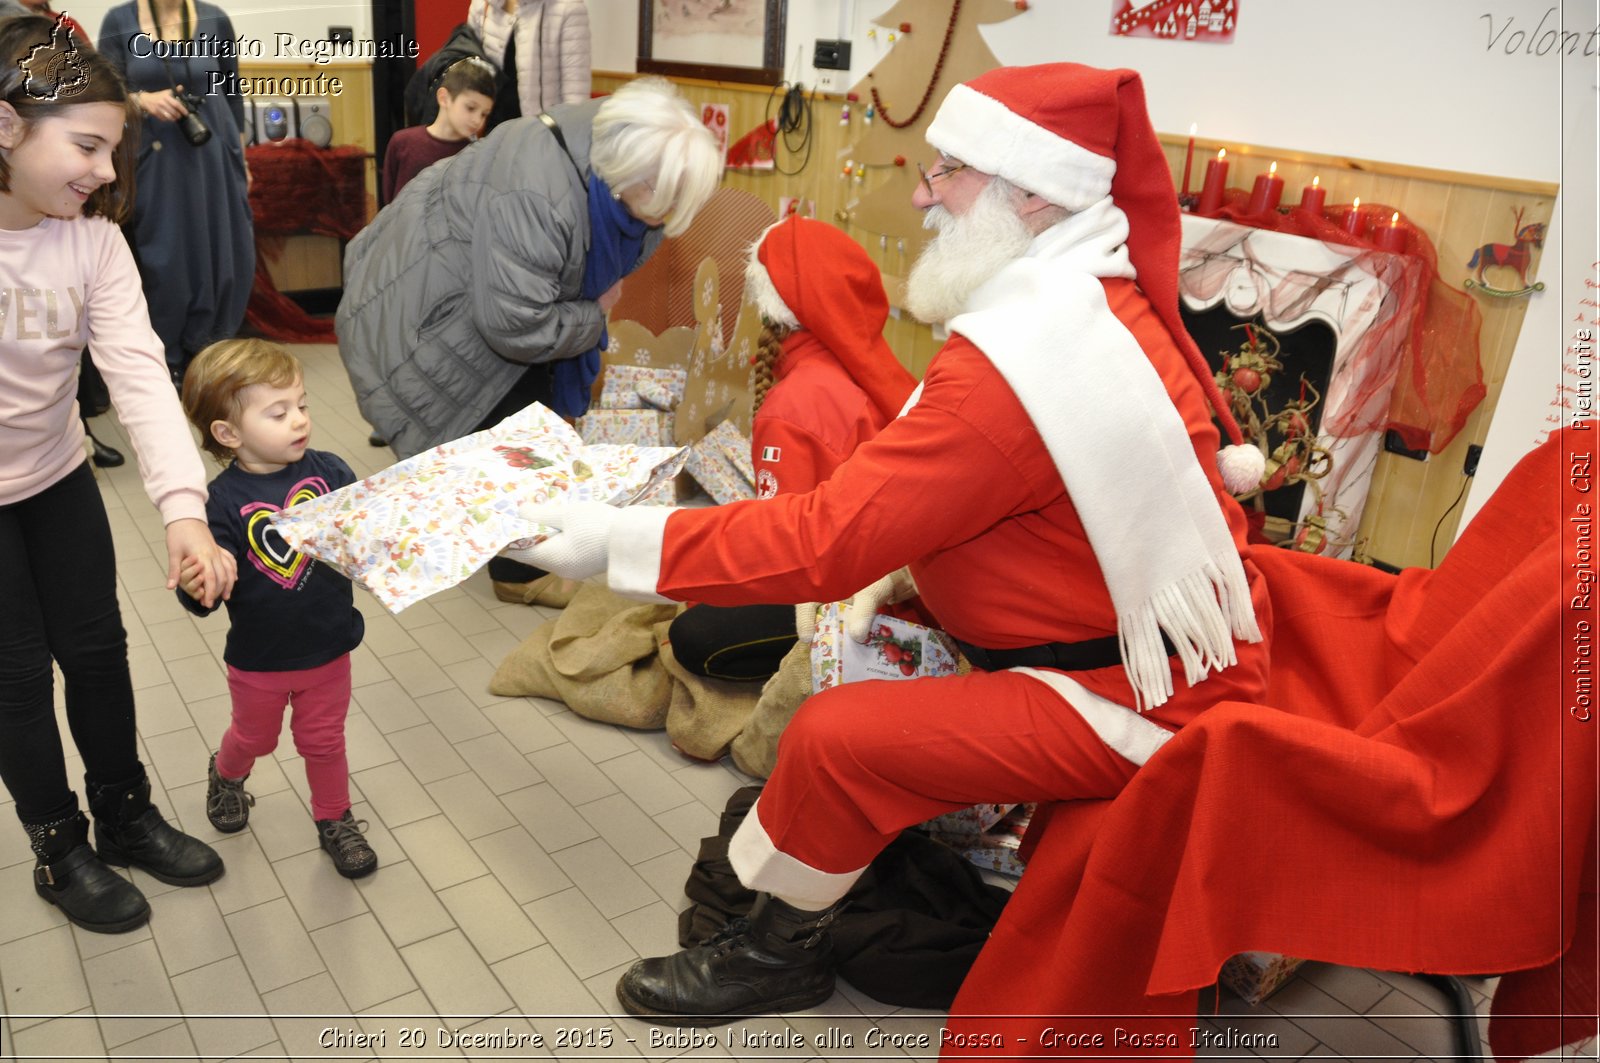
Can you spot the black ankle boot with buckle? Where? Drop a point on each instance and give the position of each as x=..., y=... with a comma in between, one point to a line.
x=778, y=958
x=130, y=831
x=70, y=876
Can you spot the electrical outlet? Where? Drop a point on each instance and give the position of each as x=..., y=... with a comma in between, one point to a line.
x=1474, y=452
x=1394, y=444
x=831, y=55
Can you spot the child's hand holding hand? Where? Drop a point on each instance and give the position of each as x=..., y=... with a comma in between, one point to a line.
x=191, y=577
x=189, y=542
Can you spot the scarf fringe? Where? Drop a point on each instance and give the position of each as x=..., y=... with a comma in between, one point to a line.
x=1201, y=613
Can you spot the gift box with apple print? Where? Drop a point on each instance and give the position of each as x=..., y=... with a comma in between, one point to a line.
x=895, y=649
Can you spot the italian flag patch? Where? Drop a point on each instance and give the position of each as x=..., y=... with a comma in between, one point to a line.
x=771, y=454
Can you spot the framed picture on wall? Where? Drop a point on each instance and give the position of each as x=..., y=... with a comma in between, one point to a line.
x=720, y=40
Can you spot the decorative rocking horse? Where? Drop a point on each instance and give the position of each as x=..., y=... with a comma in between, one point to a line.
x=1517, y=256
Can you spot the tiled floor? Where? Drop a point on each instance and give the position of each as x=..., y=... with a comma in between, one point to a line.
x=528, y=857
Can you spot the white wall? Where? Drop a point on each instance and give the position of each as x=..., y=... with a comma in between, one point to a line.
x=1409, y=81
x=1552, y=360
x=258, y=20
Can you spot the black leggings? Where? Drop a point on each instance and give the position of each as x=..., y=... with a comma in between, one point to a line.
x=743, y=642
x=58, y=583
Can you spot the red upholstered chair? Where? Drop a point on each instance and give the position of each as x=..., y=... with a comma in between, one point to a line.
x=1412, y=796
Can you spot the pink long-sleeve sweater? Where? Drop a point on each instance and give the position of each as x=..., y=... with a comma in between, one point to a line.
x=64, y=284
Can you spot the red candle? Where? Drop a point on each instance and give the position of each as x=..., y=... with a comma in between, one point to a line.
x=1354, y=223
x=1392, y=237
x=1188, y=159
x=1216, y=181
x=1313, y=196
x=1266, y=193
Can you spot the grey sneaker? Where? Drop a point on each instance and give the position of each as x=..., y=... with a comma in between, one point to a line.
x=344, y=841
x=227, y=801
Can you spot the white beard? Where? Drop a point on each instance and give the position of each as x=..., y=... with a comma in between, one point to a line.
x=968, y=250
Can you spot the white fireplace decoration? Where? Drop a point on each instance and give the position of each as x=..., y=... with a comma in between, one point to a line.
x=1286, y=281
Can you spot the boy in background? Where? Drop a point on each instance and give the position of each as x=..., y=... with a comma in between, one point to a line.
x=466, y=96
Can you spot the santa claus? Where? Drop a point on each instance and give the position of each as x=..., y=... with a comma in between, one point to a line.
x=1053, y=493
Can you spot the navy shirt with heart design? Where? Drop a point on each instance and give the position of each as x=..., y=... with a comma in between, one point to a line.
x=288, y=610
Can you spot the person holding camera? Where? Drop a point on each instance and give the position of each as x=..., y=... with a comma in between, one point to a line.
x=191, y=232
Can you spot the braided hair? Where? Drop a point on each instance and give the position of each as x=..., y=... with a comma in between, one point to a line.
x=768, y=347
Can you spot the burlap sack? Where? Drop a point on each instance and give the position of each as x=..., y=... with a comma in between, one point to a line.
x=599, y=657
x=607, y=657
x=755, y=751
x=704, y=715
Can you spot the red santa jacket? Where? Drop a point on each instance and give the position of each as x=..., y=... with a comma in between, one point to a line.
x=961, y=488
x=812, y=419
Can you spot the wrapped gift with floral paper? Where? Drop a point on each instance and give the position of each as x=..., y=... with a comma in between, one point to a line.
x=1255, y=976
x=641, y=428
x=988, y=836
x=712, y=464
x=427, y=523
x=735, y=446
x=641, y=387
x=896, y=649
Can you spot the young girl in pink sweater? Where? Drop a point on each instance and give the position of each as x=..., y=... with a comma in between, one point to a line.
x=68, y=279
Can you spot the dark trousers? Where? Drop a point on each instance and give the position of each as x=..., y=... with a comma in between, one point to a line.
x=58, y=583
x=742, y=642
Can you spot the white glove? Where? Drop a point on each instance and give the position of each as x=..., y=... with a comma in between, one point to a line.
x=868, y=602
x=805, y=621
x=583, y=540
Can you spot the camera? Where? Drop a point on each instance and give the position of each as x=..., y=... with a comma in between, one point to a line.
x=195, y=131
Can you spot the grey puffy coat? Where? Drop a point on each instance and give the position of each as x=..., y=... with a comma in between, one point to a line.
x=471, y=275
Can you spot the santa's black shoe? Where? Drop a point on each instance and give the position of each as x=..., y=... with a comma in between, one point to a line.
x=778, y=958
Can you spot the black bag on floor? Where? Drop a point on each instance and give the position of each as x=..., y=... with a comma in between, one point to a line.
x=911, y=928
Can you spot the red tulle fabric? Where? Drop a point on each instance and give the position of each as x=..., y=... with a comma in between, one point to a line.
x=1429, y=327
x=298, y=188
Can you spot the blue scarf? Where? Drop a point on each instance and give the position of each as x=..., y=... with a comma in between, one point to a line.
x=615, y=240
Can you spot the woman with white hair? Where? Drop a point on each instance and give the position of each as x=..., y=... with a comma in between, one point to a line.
x=484, y=286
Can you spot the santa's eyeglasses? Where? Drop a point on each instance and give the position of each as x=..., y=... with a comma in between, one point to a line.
x=929, y=178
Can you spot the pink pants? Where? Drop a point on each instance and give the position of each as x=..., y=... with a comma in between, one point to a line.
x=321, y=700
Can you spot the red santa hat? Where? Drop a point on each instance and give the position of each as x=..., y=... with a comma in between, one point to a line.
x=807, y=274
x=1073, y=135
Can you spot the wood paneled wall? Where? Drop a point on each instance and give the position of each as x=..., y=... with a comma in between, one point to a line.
x=312, y=261
x=1411, y=501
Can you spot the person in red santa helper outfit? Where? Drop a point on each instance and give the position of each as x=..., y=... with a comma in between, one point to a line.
x=1054, y=490
x=825, y=382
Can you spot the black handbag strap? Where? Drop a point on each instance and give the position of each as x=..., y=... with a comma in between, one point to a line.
x=555, y=130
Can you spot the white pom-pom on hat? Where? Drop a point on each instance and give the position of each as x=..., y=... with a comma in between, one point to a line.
x=1242, y=466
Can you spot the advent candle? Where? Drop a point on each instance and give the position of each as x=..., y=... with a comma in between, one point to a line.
x=1392, y=237
x=1216, y=181
x=1313, y=196
x=1354, y=223
x=1188, y=159
x=1266, y=193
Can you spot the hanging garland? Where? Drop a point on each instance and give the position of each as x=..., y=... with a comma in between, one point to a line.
x=944, y=49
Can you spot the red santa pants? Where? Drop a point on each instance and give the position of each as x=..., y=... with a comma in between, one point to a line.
x=860, y=762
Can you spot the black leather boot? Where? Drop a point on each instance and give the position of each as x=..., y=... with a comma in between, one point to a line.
x=104, y=457
x=70, y=876
x=129, y=830
x=778, y=958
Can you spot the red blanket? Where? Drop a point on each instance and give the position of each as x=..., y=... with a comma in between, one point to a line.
x=1415, y=796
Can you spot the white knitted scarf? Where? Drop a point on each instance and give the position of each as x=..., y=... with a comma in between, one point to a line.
x=1121, y=447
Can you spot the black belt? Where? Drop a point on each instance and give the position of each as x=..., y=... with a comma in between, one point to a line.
x=1082, y=656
